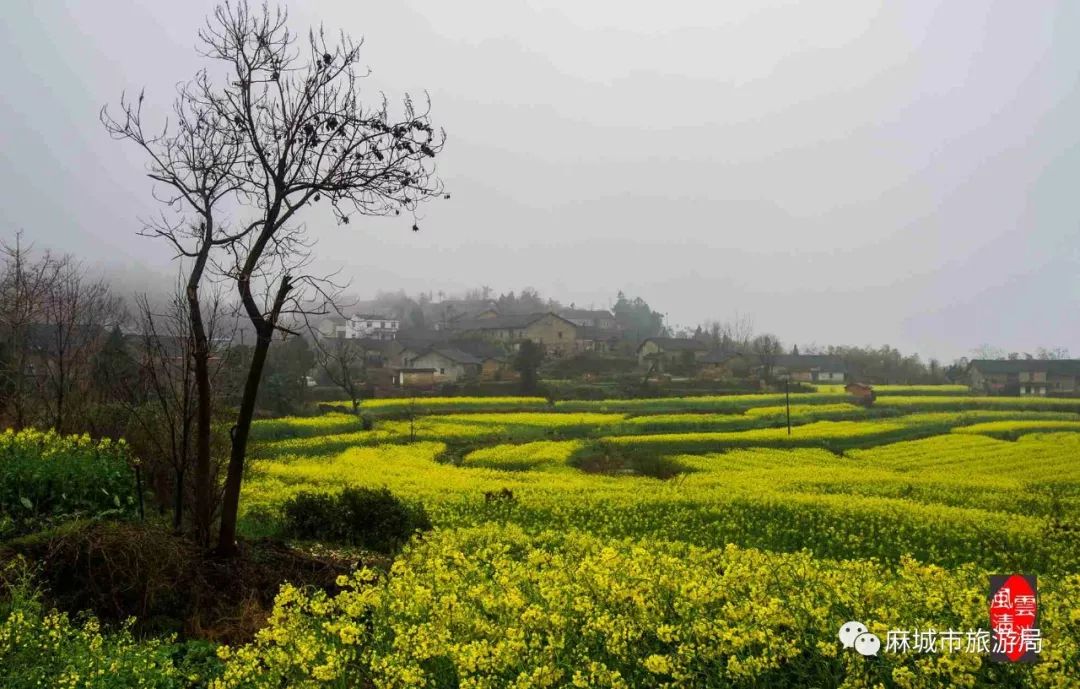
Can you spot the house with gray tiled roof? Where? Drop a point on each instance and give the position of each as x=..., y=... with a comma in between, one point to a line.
x=557, y=335
x=591, y=318
x=449, y=364
x=670, y=350
x=1039, y=377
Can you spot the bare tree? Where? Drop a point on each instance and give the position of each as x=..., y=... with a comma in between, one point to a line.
x=163, y=410
x=344, y=361
x=292, y=131
x=1055, y=353
x=767, y=349
x=733, y=335
x=286, y=129
x=76, y=315
x=193, y=162
x=24, y=283
x=986, y=351
x=164, y=423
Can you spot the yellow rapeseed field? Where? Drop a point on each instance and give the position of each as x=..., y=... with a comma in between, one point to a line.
x=734, y=571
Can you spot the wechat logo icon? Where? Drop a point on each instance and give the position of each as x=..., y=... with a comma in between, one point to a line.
x=856, y=635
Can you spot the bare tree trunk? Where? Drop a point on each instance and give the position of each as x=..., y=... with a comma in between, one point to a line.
x=58, y=424
x=178, y=500
x=180, y=459
x=201, y=355
x=203, y=504
x=230, y=501
x=240, y=432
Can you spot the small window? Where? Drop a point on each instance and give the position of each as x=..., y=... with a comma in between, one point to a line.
x=560, y=334
x=442, y=371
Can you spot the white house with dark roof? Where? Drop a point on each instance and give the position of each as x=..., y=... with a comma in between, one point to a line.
x=449, y=364
x=361, y=326
x=374, y=326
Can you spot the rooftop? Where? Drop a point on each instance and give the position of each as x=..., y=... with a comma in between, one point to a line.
x=719, y=356
x=1066, y=367
x=481, y=349
x=676, y=344
x=503, y=322
x=451, y=353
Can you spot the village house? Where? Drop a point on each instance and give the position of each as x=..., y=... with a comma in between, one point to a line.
x=1025, y=376
x=496, y=363
x=597, y=330
x=495, y=359
x=360, y=326
x=670, y=351
x=810, y=368
x=373, y=326
x=557, y=335
x=590, y=318
x=720, y=364
x=597, y=340
x=451, y=365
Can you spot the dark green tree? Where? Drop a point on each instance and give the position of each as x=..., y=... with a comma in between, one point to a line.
x=527, y=363
x=638, y=320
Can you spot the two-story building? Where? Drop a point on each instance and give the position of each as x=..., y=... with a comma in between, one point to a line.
x=598, y=332
x=361, y=326
x=597, y=340
x=1025, y=376
x=373, y=326
x=557, y=335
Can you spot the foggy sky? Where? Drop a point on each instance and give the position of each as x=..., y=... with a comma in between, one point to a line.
x=847, y=172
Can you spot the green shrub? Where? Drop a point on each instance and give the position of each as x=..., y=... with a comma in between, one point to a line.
x=374, y=519
x=598, y=457
x=46, y=478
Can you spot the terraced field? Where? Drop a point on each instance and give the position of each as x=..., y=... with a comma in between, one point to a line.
x=684, y=541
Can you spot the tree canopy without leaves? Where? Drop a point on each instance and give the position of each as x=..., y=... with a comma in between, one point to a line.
x=282, y=126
